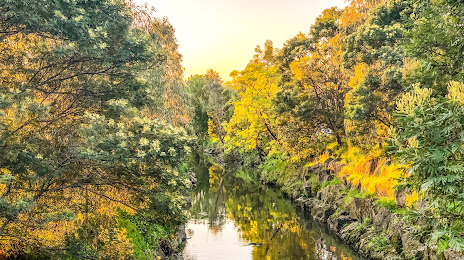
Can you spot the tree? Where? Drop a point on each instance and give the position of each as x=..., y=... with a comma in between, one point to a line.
x=438, y=56
x=318, y=86
x=210, y=100
x=377, y=56
x=252, y=125
x=76, y=133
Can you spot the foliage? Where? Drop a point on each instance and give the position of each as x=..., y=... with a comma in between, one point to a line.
x=315, y=94
x=253, y=123
x=436, y=43
x=388, y=203
x=429, y=136
x=372, y=173
x=375, y=52
x=379, y=242
x=80, y=131
x=211, y=102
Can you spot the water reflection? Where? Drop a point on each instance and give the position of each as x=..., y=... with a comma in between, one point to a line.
x=233, y=219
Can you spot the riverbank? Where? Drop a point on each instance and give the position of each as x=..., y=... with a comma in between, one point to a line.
x=375, y=228
x=371, y=228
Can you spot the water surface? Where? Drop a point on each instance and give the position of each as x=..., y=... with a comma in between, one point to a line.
x=233, y=218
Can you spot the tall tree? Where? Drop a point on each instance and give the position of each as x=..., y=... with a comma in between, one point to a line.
x=317, y=90
x=211, y=102
x=377, y=56
x=252, y=125
x=75, y=134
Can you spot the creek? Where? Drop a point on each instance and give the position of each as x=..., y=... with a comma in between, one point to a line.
x=233, y=217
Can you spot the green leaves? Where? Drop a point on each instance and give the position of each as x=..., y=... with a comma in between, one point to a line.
x=132, y=137
x=80, y=126
x=428, y=135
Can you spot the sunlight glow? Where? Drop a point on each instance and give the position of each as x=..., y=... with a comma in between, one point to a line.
x=223, y=34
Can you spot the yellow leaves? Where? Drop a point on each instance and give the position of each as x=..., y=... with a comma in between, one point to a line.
x=115, y=246
x=211, y=130
x=412, y=199
x=357, y=11
x=253, y=112
x=297, y=68
x=456, y=92
x=359, y=74
x=374, y=174
x=214, y=171
x=410, y=101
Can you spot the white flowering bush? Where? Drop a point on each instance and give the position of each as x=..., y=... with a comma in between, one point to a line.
x=142, y=152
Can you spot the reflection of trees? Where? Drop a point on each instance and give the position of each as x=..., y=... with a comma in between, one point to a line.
x=263, y=216
x=208, y=198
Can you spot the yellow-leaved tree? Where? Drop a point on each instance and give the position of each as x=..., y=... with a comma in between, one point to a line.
x=253, y=124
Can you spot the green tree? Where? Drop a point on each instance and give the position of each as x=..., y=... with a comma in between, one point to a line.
x=211, y=102
x=317, y=90
x=77, y=134
x=376, y=53
x=428, y=135
x=436, y=43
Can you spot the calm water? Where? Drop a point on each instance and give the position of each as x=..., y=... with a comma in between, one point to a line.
x=234, y=219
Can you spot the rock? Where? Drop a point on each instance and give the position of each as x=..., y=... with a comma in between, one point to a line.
x=308, y=176
x=351, y=234
x=335, y=166
x=395, y=231
x=412, y=248
x=181, y=235
x=321, y=212
x=365, y=238
x=307, y=189
x=451, y=254
x=400, y=198
x=431, y=253
x=309, y=204
x=331, y=193
x=362, y=208
x=326, y=195
x=328, y=161
x=301, y=202
x=382, y=219
x=338, y=221
x=321, y=172
x=193, y=179
x=392, y=257
x=188, y=201
x=372, y=165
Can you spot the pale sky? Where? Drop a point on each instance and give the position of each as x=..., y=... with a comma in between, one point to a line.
x=222, y=34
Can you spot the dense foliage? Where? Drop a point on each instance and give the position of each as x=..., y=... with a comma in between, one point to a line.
x=87, y=149
x=378, y=84
x=95, y=121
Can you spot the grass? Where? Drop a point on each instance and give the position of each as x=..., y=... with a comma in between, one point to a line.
x=335, y=181
x=379, y=243
x=388, y=203
x=354, y=193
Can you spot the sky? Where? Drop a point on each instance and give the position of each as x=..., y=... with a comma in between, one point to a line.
x=222, y=34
